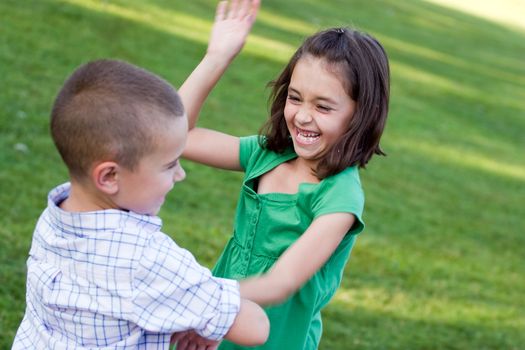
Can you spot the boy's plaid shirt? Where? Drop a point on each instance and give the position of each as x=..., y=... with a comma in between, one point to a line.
x=110, y=279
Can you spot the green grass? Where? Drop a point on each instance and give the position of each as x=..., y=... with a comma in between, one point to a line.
x=441, y=263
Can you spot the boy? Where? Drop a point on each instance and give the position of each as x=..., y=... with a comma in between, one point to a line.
x=100, y=272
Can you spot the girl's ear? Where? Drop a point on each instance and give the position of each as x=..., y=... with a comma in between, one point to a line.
x=105, y=177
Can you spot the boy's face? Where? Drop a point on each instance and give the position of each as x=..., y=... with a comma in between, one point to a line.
x=144, y=189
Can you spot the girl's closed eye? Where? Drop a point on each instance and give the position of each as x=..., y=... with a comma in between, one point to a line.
x=294, y=98
x=324, y=108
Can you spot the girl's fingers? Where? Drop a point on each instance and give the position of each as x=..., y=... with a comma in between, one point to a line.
x=255, y=9
x=175, y=337
x=244, y=8
x=234, y=8
x=220, y=13
x=237, y=9
x=183, y=344
x=248, y=8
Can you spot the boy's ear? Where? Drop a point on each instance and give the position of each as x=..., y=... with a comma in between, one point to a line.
x=105, y=176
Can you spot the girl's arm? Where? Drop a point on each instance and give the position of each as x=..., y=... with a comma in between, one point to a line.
x=233, y=22
x=251, y=326
x=300, y=261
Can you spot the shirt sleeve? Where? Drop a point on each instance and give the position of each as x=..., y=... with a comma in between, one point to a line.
x=342, y=193
x=248, y=145
x=174, y=293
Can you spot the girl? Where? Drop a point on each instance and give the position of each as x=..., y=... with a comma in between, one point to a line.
x=301, y=202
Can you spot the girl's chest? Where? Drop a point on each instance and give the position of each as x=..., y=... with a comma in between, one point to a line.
x=284, y=178
x=270, y=222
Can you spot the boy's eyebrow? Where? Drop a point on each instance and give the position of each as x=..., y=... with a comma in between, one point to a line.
x=172, y=163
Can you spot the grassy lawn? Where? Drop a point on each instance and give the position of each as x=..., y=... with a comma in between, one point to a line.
x=441, y=264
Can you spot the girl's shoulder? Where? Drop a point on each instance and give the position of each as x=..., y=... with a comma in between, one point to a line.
x=349, y=177
x=254, y=157
x=341, y=192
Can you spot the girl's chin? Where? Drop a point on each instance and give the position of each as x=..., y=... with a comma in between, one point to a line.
x=307, y=155
x=306, y=147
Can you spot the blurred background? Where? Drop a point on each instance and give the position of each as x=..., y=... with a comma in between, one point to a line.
x=441, y=263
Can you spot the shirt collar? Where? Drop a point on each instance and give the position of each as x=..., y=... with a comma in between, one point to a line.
x=82, y=222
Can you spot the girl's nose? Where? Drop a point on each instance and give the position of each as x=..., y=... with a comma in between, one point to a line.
x=303, y=116
x=179, y=174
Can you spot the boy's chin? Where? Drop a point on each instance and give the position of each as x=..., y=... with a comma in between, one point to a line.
x=152, y=212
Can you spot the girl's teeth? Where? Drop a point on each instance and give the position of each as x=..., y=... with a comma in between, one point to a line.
x=307, y=137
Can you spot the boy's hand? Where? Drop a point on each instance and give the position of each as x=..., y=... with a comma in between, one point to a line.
x=233, y=21
x=192, y=341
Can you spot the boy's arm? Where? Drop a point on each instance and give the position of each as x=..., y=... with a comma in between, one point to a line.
x=250, y=328
x=300, y=261
x=232, y=24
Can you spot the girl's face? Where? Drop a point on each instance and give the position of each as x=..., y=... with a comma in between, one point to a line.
x=318, y=109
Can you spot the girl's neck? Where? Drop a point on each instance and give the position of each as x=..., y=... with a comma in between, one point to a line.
x=304, y=169
x=286, y=177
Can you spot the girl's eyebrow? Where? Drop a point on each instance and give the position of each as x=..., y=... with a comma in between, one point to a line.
x=291, y=89
x=318, y=98
x=326, y=99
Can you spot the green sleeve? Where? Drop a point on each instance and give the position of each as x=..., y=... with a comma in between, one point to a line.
x=248, y=145
x=341, y=193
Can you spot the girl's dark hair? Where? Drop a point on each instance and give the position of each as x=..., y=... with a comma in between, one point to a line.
x=366, y=76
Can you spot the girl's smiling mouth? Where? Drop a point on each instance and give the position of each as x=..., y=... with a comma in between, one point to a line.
x=306, y=137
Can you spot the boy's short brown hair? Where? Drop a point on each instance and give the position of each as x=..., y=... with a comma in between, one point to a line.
x=110, y=110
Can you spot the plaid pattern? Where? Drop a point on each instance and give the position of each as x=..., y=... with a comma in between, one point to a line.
x=111, y=280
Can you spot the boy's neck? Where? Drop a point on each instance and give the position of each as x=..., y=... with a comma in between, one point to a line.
x=83, y=198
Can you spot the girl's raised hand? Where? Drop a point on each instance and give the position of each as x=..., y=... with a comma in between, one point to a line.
x=233, y=22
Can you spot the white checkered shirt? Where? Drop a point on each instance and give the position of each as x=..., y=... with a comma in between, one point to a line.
x=111, y=280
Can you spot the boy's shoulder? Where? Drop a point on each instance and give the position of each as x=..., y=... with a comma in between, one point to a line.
x=106, y=234
x=97, y=220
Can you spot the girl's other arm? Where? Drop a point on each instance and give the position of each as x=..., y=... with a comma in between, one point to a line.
x=251, y=326
x=300, y=261
x=233, y=22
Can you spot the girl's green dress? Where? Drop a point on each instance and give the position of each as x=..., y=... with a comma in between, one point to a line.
x=266, y=225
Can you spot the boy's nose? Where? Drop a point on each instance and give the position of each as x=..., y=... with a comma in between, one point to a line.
x=179, y=174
